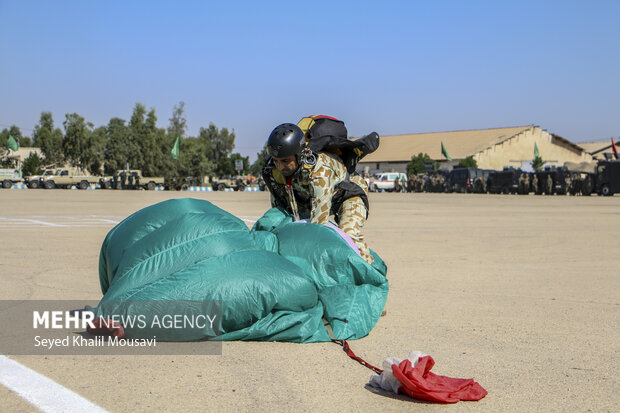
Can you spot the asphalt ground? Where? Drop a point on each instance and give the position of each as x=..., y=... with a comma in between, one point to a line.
x=522, y=293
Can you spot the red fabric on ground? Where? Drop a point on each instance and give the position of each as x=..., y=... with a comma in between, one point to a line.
x=106, y=327
x=419, y=383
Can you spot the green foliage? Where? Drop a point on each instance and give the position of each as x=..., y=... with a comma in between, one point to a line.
x=13, y=131
x=32, y=165
x=218, y=142
x=178, y=123
x=537, y=163
x=257, y=167
x=192, y=161
x=137, y=144
x=77, y=143
x=49, y=139
x=416, y=165
x=468, y=162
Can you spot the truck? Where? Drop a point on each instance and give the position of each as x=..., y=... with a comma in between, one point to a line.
x=130, y=179
x=63, y=178
x=463, y=180
x=505, y=181
x=9, y=177
x=238, y=183
x=36, y=181
x=554, y=180
x=607, y=180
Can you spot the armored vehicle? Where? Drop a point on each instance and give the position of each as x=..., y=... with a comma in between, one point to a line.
x=463, y=179
x=505, y=181
x=608, y=177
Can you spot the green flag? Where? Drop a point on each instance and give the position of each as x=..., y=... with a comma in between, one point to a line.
x=536, y=153
x=11, y=143
x=175, y=149
x=445, y=152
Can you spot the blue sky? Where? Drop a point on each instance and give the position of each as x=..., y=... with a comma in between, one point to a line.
x=391, y=66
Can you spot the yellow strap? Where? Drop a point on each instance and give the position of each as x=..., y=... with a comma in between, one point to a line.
x=277, y=175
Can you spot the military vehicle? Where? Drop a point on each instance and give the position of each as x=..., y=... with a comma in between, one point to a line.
x=554, y=180
x=607, y=177
x=9, y=177
x=182, y=183
x=36, y=181
x=63, y=178
x=505, y=181
x=480, y=181
x=131, y=179
x=238, y=183
x=463, y=179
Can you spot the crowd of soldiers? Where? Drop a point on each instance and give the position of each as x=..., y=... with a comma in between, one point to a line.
x=517, y=182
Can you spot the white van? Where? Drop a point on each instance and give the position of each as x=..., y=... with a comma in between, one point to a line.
x=385, y=181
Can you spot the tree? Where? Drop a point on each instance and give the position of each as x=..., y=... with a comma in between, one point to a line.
x=537, y=163
x=225, y=166
x=416, y=165
x=145, y=152
x=257, y=167
x=192, y=161
x=13, y=131
x=178, y=123
x=468, y=162
x=32, y=165
x=49, y=139
x=78, y=141
x=117, y=146
x=97, y=143
x=218, y=143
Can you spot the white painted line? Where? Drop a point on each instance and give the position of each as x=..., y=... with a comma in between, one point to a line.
x=43, y=393
x=33, y=221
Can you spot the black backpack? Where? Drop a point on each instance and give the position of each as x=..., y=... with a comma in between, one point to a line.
x=328, y=134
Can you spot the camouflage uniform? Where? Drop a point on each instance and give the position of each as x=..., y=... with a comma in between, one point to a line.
x=312, y=194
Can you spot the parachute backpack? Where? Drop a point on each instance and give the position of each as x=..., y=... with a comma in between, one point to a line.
x=328, y=134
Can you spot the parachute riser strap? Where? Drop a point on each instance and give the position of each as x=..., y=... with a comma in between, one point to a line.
x=351, y=354
x=292, y=201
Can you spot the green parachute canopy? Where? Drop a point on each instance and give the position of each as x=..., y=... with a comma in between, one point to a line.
x=279, y=281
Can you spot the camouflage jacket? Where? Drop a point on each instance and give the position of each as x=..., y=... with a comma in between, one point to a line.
x=315, y=191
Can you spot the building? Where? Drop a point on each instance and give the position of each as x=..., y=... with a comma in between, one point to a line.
x=599, y=150
x=21, y=154
x=491, y=148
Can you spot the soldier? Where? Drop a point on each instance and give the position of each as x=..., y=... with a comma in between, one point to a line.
x=397, y=184
x=441, y=183
x=315, y=185
x=419, y=187
x=567, y=184
x=577, y=184
x=535, y=184
x=549, y=185
x=123, y=180
x=521, y=184
x=526, y=183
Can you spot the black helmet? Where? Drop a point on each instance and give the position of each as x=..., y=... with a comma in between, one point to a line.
x=286, y=140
